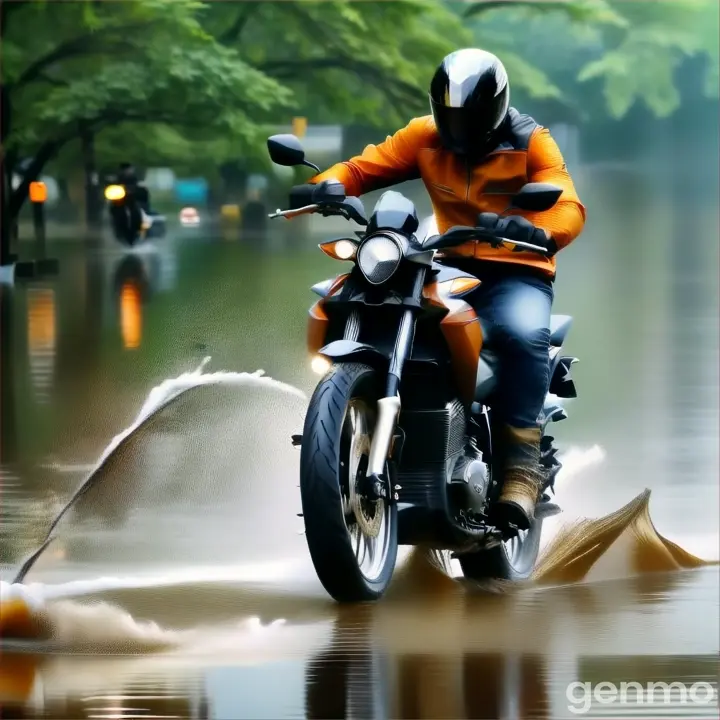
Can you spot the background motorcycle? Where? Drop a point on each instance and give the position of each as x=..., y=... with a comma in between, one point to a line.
x=376, y=472
x=130, y=222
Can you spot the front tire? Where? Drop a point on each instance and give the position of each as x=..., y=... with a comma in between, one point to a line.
x=127, y=223
x=353, y=565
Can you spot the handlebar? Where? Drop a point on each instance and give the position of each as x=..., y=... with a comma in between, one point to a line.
x=350, y=208
x=460, y=234
x=454, y=236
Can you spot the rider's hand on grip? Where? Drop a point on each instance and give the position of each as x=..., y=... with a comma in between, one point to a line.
x=516, y=227
x=312, y=194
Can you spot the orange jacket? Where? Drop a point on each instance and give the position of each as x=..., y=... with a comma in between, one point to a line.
x=460, y=191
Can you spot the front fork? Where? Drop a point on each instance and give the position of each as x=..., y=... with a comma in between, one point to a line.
x=389, y=406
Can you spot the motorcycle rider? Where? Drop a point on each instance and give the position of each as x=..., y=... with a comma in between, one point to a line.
x=472, y=153
x=127, y=176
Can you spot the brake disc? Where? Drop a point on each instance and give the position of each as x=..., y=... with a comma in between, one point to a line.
x=369, y=525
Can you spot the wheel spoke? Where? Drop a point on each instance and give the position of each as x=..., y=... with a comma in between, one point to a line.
x=370, y=546
x=358, y=541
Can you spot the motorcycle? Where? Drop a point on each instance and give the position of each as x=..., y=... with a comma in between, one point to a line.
x=378, y=469
x=130, y=222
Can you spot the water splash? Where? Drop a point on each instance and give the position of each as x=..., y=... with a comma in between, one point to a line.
x=50, y=616
x=159, y=398
x=624, y=543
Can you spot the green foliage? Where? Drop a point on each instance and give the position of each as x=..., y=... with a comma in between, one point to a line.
x=597, y=12
x=642, y=64
x=498, y=23
x=199, y=83
x=632, y=47
x=141, y=61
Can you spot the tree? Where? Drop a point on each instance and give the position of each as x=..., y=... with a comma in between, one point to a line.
x=640, y=63
x=140, y=61
x=632, y=47
x=207, y=75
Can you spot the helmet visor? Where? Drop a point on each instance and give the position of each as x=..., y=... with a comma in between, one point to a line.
x=466, y=130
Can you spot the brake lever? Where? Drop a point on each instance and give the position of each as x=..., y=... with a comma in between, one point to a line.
x=496, y=241
x=292, y=213
x=519, y=246
x=344, y=210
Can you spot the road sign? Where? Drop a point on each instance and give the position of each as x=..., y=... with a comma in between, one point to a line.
x=191, y=191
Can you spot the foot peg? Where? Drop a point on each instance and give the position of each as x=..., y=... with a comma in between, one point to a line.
x=296, y=440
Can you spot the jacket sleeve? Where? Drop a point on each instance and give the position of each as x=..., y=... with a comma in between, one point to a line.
x=565, y=221
x=388, y=163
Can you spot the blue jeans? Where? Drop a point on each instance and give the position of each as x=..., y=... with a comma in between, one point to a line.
x=514, y=310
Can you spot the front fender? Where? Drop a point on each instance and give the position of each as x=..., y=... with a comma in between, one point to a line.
x=351, y=350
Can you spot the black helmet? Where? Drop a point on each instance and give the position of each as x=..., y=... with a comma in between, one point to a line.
x=127, y=173
x=469, y=98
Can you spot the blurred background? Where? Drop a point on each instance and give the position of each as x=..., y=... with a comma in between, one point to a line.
x=188, y=91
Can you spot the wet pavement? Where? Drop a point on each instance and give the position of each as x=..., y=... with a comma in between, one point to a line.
x=190, y=537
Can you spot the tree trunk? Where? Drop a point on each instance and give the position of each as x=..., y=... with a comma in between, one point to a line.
x=93, y=209
x=7, y=221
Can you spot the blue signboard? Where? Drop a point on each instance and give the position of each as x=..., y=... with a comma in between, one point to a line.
x=191, y=191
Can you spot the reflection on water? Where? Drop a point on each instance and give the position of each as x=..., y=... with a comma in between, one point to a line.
x=32, y=687
x=41, y=334
x=131, y=314
x=132, y=290
x=534, y=655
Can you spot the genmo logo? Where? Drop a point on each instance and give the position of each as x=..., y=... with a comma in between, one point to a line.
x=582, y=696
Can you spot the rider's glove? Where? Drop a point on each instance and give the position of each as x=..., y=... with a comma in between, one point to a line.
x=516, y=227
x=311, y=194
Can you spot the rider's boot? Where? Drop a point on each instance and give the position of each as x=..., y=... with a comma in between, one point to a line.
x=522, y=476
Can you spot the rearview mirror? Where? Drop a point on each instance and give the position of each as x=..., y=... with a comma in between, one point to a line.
x=287, y=150
x=536, y=197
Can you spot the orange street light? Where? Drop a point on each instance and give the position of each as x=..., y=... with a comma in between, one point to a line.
x=38, y=192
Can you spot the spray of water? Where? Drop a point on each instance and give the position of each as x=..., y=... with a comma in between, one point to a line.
x=159, y=398
x=50, y=613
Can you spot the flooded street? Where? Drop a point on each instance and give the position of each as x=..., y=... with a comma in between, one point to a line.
x=180, y=585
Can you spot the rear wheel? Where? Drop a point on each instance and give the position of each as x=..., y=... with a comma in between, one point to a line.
x=352, y=540
x=512, y=559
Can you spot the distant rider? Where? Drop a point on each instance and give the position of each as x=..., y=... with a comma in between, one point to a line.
x=472, y=153
x=127, y=177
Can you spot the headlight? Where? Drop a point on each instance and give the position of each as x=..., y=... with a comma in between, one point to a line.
x=378, y=258
x=114, y=192
x=320, y=364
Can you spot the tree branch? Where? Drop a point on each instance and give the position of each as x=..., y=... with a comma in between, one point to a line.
x=232, y=34
x=83, y=45
x=574, y=10
x=42, y=156
x=293, y=68
x=50, y=148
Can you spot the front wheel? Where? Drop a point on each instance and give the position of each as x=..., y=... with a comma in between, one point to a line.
x=352, y=540
x=127, y=222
